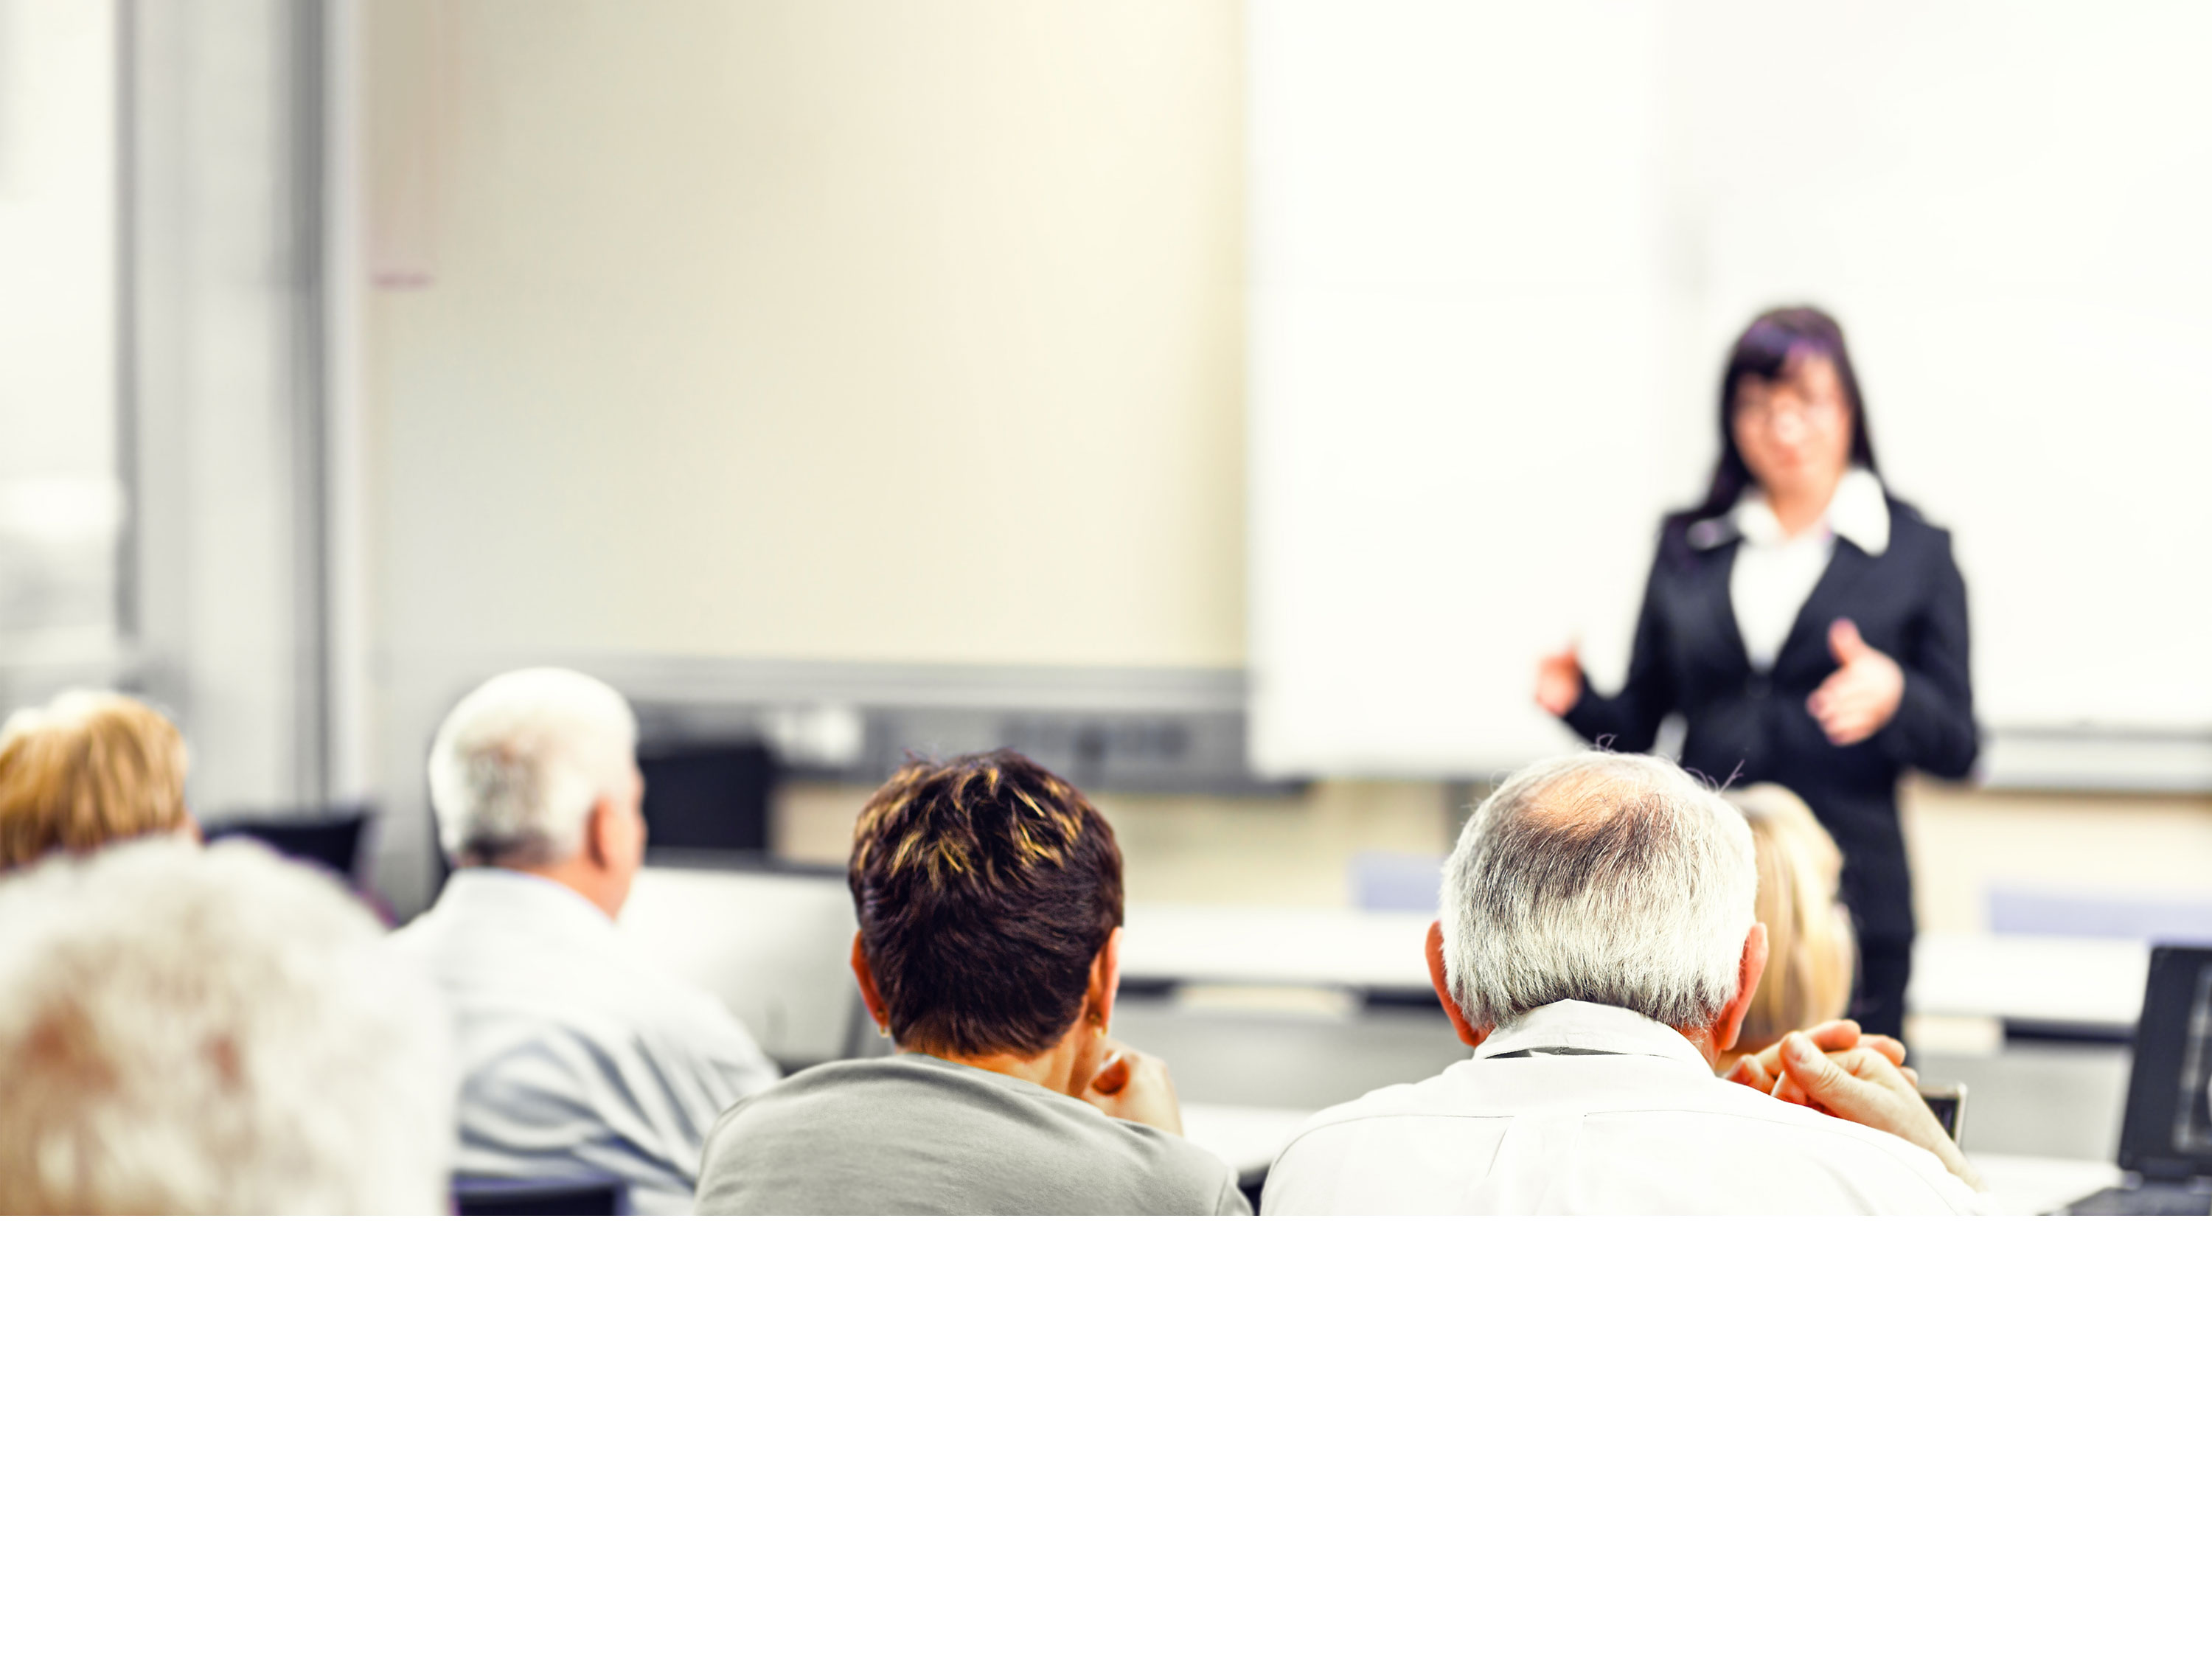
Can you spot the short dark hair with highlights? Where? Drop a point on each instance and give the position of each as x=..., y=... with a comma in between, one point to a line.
x=986, y=887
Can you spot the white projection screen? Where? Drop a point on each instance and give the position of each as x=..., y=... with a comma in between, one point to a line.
x=1497, y=254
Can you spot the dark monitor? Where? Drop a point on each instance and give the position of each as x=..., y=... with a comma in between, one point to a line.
x=332, y=840
x=707, y=797
x=2168, y=1132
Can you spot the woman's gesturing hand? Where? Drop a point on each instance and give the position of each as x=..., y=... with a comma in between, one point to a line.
x=1862, y=695
x=1559, y=681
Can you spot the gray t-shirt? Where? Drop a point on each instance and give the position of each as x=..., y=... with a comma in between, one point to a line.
x=909, y=1135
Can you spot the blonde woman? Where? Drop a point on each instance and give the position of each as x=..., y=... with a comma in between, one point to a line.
x=1811, y=953
x=88, y=768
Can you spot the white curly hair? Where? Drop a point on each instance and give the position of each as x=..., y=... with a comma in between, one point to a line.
x=516, y=765
x=190, y=1031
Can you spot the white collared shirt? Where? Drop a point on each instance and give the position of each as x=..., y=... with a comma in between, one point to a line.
x=1775, y=573
x=580, y=1058
x=1635, y=1123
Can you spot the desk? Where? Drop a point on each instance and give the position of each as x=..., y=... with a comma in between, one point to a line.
x=2021, y=977
x=1277, y=945
x=2042, y=1186
x=1248, y=1138
x=1245, y=1137
x=2025, y=977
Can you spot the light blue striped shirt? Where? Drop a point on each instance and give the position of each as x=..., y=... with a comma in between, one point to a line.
x=579, y=1057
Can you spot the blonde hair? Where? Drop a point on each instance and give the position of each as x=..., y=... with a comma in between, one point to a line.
x=89, y=768
x=212, y=1031
x=1811, y=951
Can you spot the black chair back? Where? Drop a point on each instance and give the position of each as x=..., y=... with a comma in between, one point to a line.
x=331, y=840
x=584, y=1196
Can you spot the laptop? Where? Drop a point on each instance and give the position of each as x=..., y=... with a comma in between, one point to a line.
x=2166, y=1139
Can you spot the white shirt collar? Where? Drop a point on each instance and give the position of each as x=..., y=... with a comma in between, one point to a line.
x=480, y=886
x=1857, y=512
x=1593, y=1026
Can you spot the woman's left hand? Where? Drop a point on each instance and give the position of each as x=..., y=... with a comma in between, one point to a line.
x=1862, y=695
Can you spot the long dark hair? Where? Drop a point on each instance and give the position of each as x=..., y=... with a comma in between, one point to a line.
x=1765, y=351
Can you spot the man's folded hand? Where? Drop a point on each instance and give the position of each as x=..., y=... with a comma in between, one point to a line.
x=1763, y=1071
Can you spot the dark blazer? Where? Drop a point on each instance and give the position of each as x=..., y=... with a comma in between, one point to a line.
x=1909, y=602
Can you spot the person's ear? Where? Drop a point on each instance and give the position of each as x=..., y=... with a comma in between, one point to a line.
x=1470, y=1034
x=1749, y=971
x=1105, y=982
x=870, y=997
x=599, y=834
x=635, y=827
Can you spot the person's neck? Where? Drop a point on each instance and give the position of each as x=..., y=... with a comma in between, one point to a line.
x=1054, y=1069
x=1701, y=1038
x=1798, y=510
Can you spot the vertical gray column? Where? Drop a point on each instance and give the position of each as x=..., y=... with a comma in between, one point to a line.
x=227, y=416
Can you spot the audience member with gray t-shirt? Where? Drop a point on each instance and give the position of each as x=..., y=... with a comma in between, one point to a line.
x=914, y=1135
x=989, y=897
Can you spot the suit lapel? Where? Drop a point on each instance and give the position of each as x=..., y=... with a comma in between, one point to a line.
x=1828, y=600
x=1718, y=568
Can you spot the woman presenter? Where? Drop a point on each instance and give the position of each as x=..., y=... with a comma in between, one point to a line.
x=1808, y=627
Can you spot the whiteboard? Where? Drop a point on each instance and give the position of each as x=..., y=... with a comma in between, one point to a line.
x=1496, y=257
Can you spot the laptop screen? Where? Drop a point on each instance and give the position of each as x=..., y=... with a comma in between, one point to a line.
x=2168, y=1130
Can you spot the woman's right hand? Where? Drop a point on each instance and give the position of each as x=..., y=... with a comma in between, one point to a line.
x=1559, y=681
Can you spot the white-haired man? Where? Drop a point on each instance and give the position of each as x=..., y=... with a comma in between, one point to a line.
x=1597, y=949
x=212, y=1031
x=580, y=1059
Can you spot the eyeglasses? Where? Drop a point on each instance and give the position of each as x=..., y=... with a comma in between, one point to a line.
x=1767, y=408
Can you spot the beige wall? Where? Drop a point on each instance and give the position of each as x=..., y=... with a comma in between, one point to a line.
x=1202, y=849
x=808, y=328
x=1963, y=840
x=1297, y=849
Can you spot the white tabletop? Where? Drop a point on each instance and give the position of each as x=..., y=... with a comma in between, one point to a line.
x=1246, y=1139
x=1277, y=945
x=2066, y=982
x=2039, y=1185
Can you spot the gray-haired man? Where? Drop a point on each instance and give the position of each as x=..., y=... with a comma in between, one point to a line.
x=1597, y=949
x=580, y=1058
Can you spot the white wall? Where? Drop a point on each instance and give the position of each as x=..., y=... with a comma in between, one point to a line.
x=60, y=500
x=200, y=445
x=1498, y=255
